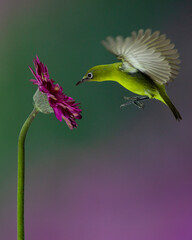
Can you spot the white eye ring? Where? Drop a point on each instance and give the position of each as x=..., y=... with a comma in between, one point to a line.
x=90, y=75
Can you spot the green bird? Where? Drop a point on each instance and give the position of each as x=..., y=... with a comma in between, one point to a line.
x=148, y=61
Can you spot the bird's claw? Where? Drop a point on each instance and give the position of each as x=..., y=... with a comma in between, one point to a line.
x=134, y=100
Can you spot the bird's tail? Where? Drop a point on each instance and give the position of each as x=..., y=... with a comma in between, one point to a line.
x=168, y=102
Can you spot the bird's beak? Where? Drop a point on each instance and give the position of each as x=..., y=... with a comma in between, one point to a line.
x=84, y=79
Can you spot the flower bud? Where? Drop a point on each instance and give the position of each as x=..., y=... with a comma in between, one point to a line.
x=41, y=102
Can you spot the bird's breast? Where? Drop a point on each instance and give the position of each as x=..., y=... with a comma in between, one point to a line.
x=136, y=83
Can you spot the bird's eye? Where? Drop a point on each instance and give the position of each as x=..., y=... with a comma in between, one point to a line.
x=90, y=75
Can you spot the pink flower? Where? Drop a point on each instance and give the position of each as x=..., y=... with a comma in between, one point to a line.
x=63, y=106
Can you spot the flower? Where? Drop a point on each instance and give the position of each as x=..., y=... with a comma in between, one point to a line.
x=63, y=106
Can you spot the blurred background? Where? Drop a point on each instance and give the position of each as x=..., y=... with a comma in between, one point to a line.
x=123, y=173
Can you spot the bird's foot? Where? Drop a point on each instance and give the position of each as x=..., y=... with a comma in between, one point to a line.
x=137, y=101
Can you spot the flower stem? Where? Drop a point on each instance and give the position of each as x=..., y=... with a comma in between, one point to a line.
x=21, y=174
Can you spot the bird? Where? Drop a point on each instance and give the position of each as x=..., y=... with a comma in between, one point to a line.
x=148, y=61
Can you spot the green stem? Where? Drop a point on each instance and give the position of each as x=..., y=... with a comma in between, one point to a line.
x=21, y=175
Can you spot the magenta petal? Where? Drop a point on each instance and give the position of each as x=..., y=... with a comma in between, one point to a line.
x=37, y=58
x=69, y=123
x=33, y=72
x=58, y=113
x=33, y=81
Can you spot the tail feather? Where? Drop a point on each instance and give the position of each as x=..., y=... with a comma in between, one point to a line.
x=170, y=104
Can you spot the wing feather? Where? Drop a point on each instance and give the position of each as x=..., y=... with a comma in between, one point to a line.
x=150, y=53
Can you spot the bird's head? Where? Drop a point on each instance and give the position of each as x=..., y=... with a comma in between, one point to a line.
x=94, y=74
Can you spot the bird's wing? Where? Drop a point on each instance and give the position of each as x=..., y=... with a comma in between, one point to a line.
x=150, y=53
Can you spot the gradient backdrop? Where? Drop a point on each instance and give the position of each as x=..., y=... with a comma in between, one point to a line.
x=123, y=173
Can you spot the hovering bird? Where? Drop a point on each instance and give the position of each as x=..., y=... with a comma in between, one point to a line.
x=148, y=61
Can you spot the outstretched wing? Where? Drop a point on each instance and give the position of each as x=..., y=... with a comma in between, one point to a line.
x=150, y=53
